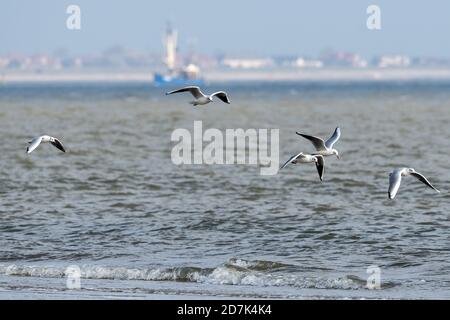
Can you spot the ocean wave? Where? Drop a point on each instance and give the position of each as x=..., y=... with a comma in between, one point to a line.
x=233, y=272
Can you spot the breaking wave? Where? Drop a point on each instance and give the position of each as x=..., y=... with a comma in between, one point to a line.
x=233, y=272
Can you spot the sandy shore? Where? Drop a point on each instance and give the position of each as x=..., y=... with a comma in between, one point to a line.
x=236, y=75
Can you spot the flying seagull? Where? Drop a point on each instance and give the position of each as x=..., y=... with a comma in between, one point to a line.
x=307, y=158
x=33, y=144
x=200, y=97
x=395, y=178
x=324, y=148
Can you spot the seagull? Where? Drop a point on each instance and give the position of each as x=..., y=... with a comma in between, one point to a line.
x=395, y=178
x=200, y=97
x=324, y=148
x=33, y=144
x=308, y=158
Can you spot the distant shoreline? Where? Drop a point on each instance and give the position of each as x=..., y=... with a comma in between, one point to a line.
x=275, y=75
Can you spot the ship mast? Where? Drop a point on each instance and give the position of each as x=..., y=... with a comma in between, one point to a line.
x=170, y=42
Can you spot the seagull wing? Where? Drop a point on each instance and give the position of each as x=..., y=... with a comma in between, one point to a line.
x=222, y=96
x=320, y=165
x=318, y=143
x=34, y=144
x=334, y=138
x=395, y=178
x=291, y=159
x=58, y=145
x=195, y=91
x=424, y=180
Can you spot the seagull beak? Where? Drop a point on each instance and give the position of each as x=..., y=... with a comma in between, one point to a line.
x=339, y=157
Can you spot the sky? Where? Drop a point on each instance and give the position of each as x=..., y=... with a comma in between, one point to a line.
x=233, y=27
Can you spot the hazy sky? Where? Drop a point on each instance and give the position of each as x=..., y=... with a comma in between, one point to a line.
x=242, y=27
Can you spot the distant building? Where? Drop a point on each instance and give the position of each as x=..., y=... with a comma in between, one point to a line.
x=430, y=62
x=343, y=59
x=236, y=63
x=76, y=62
x=392, y=61
x=307, y=63
x=37, y=62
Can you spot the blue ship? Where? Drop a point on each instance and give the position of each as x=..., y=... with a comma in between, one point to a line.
x=186, y=76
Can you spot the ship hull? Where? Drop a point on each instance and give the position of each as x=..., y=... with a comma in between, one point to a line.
x=161, y=80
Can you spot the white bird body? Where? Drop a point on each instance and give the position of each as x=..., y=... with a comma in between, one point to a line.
x=201, y=101
x=305, y=158
x=327, y=153
x=395, y=178
x=308, y=158
x=200, y=97
x=324, y=148
x=35, y=142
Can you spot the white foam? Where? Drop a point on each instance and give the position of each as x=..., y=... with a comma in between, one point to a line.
x=226, y=274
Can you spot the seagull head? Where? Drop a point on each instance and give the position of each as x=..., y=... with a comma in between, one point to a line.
x=335, y=152
x=411, y=170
